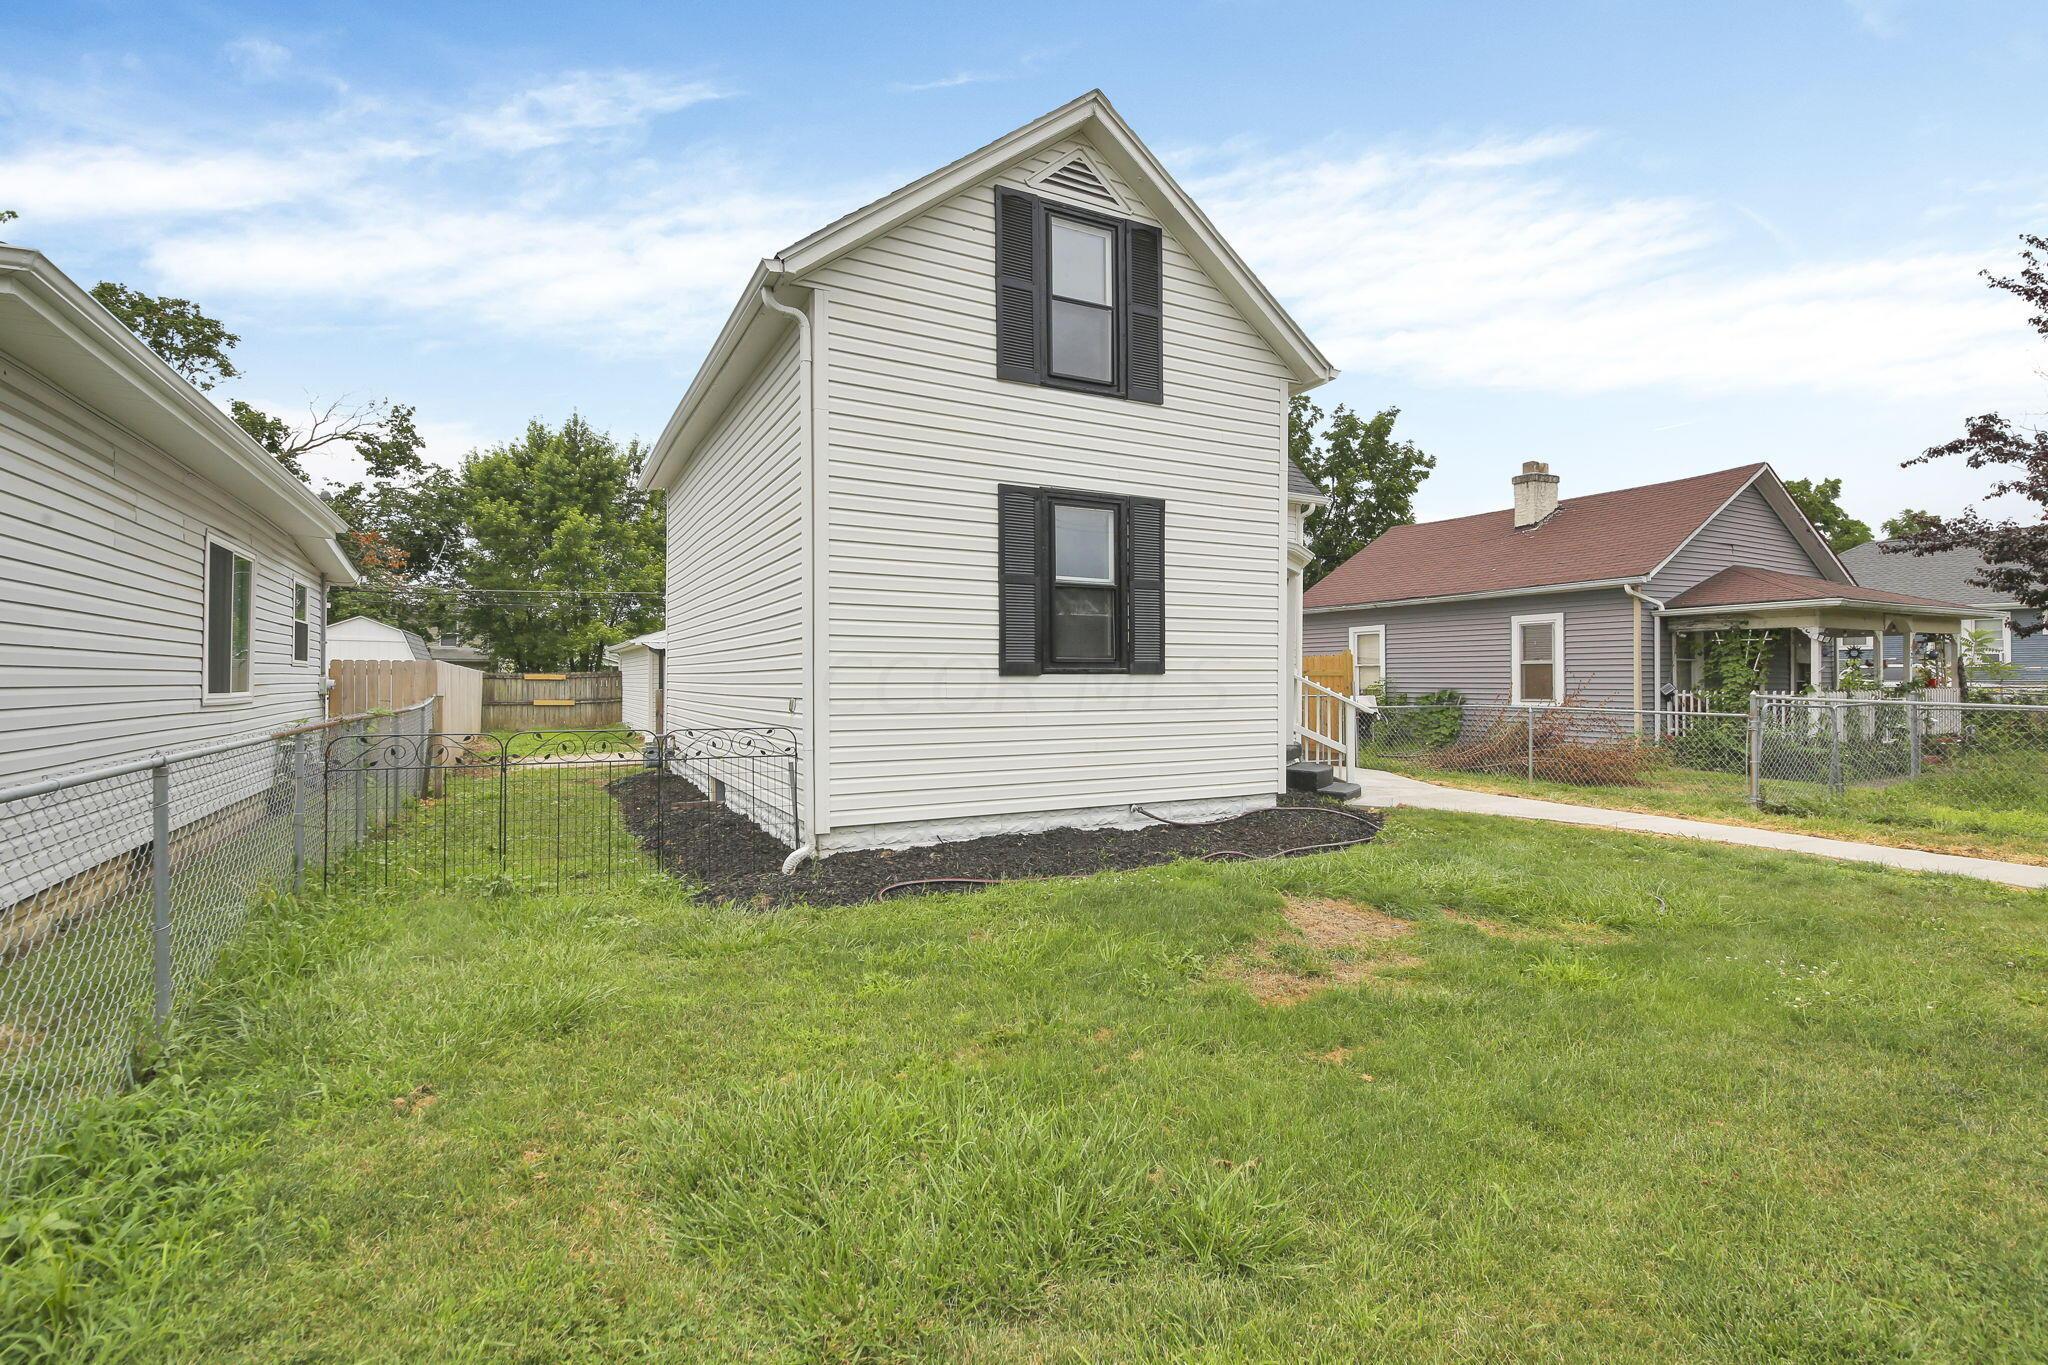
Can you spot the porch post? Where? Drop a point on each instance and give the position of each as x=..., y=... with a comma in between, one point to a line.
x=1816, y=675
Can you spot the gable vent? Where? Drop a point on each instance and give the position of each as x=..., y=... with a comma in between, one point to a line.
x=1078, y=178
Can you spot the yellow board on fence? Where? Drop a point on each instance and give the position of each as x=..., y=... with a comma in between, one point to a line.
x=553, y=701
x=1329, y=670
x=545, y=677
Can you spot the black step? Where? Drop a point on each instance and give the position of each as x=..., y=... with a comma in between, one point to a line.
x=1342, y=791
x=1307, y=777
x=1294, y=753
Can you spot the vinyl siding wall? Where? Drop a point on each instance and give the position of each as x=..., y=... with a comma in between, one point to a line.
x=1466, y=646
x=922, y=727
x=2030, y=652
x=102, y=595
x=735, y=572
x=636, y=688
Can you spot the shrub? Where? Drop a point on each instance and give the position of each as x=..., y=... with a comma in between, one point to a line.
x=1436, y=720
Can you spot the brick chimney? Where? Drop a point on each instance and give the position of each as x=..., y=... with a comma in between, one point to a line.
x=1535, y=493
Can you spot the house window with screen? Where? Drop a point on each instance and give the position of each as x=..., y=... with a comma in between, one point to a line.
x=1538, y=663
x=1082, y=582
x=1086, y=614
x=302, y=623
x=1368, y=660
x=230, y=592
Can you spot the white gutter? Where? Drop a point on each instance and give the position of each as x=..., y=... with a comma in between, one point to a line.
x=1585, y=586
x=807, y=442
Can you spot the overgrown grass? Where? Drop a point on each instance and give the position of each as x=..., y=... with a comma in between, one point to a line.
x=1992, y=807
x=1638, y=1100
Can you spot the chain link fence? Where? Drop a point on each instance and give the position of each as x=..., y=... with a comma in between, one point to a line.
x=1809, y=752
x=120, y=885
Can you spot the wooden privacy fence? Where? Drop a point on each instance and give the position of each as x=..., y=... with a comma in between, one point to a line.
x=551, y=701
x=393, y=684
x=1325, y=716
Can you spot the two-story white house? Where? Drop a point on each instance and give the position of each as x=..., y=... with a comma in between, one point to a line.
x=983, y=490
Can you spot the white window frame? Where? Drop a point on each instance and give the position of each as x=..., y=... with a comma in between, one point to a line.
x=207, y=697
x=2003, y=622
x=299, y=585
x=1351, y=642
x=1555, y=620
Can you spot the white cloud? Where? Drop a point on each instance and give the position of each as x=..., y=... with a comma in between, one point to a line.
x=258, y=59
x=578, y=104
x=958, y=78
x=1881, y=17
x=1489, y=267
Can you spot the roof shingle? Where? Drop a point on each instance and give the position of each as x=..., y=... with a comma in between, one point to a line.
x=1944, y=573
x=1742, y=587
x=1598, y=537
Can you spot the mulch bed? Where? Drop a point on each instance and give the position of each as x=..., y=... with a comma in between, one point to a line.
x=733, y=860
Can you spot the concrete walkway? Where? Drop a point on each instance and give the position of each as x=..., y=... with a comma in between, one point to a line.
x=1391, y=789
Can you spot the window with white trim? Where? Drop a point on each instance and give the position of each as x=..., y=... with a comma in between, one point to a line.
x=302, y=623
x=230, y=620
x=1996, y=634
x=1368, y=660
x=1537, y=646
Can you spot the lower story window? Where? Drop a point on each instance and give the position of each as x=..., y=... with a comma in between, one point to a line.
x=302, y=624
x=230, y=594
x=1537, y=644
x=1986, y=639
x=1368, y=660
x=1086, y=617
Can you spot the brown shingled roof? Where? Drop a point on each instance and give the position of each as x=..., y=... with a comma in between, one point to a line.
x=1623, y=534
x=1740, y=587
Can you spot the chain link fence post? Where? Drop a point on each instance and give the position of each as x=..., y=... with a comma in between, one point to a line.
x=160, y=892
x=1755, y=747
x=1529, y=715
x=298, y=772
x=1912, y=738
x=1838, y=723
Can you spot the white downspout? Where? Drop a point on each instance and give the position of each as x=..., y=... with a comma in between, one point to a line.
x=808, y=848
x=1656, y=651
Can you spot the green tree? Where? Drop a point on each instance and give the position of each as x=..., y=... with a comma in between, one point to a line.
x=1910, y=522
x=556, y=527
x=1371, y=478
x=2014, y=549
x=193, y=344
x=1821, y=500
x=406, y=524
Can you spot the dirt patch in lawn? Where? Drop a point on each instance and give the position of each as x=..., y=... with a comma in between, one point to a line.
x=1334, y=943
x=1523, y=933
x=733, y=860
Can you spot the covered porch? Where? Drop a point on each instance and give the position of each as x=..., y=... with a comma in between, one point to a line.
x=1817, y=634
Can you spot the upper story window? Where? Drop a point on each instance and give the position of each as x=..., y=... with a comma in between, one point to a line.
x=302, y=623
x=1078, y=299
x=230, y=607
x=451, y=639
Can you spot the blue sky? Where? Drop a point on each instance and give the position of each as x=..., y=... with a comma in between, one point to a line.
x=1636, y=240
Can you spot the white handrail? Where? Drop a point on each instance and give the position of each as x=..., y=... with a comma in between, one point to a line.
x=1344, y=746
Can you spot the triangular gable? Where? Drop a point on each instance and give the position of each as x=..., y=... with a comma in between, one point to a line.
x=1117, y=149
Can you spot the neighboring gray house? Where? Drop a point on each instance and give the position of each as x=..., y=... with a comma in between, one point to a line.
x=1948, y=574
x=449, y=647
x=1601, y=599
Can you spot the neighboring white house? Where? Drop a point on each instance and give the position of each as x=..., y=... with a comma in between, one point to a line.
x=639, y=661
x=983, y=490
x=365, y=637
x=161, y=575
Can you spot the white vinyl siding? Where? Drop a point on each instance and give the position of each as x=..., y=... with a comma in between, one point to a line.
x=103, y=594
x=637, y=668
x=736, y=567
x=923, y=728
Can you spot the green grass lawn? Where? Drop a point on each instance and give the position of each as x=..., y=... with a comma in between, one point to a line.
x=1994, y=807
x=604, y=739
x=1605, y=1098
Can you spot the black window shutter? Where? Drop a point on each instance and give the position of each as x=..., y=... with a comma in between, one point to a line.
x=1146, y=294
x=1020, y=234
x=1020, y=553
x=1147, y=521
